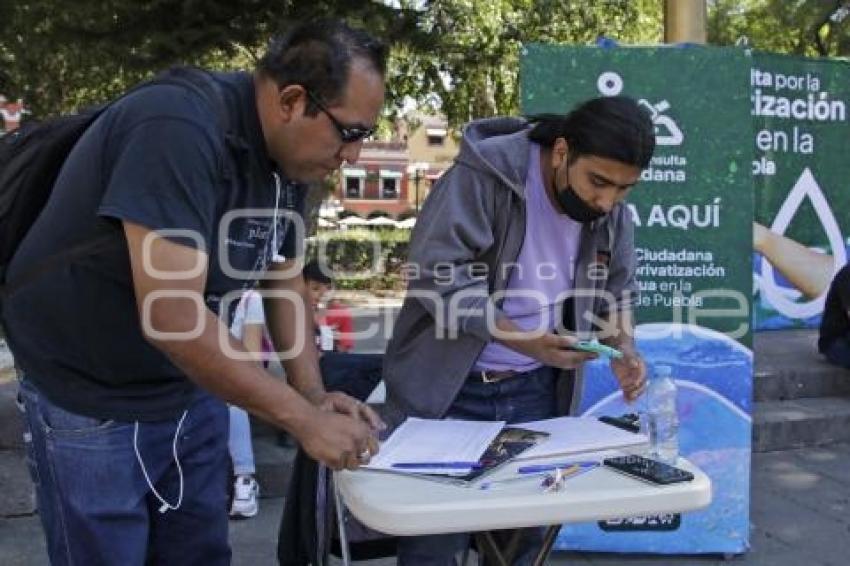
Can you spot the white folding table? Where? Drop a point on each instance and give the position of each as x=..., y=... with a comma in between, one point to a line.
x=402, y=505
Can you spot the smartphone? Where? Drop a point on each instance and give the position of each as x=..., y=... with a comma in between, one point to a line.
x=628, y=422
x=648, y=470
x=595, y=347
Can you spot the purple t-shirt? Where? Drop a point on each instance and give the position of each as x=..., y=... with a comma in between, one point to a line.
x=543, y=273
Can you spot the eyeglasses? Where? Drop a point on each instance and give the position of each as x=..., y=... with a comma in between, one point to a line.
x=348, y=134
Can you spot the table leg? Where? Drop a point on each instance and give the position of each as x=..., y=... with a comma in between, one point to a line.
x=489, y=549
x=548, y=543
x=502, y=554
x=512, y=546
x=340, y=522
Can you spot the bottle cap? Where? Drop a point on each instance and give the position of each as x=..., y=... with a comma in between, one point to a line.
x=663, y=370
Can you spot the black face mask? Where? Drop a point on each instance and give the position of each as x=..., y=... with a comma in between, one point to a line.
x=572, y=205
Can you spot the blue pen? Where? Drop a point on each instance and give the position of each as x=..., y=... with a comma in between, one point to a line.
x=538, y=468
x=436, y=465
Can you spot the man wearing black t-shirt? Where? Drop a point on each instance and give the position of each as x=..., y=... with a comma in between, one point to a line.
x=834, y=340
x=125, y=356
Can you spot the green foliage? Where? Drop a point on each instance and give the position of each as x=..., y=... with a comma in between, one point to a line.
x=473, y=65
x=60, y=58
x=60, y=55
x=460, y=53
x=366, y=260
x=802, y=27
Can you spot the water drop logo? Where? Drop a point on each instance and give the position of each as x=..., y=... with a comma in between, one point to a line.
x=667, y=131
x=806, y=186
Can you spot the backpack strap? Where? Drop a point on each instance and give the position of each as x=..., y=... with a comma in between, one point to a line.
x=194, y=78
x=199, y=80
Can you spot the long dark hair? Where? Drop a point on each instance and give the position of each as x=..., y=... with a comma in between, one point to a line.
x=615, y=127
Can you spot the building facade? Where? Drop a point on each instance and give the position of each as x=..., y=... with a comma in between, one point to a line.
x=392, y=178
x=432, y=148
x=378, y=182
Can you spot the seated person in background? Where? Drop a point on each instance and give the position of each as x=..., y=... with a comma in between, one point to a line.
x=834, y=340
x=332, y=316
x=355, y=374
x=249, y=326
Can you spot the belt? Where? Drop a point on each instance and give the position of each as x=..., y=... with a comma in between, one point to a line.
x=492, y=376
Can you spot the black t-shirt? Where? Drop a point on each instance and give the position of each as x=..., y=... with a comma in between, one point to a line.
x=159, y=158
x=836, y=311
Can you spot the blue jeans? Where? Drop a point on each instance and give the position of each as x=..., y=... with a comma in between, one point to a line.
x=529, y=396
x=95, y=504
x=239, y=442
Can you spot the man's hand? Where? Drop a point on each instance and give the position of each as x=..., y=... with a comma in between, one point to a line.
x=630, y=371
x=338, y=441
x=342, y=403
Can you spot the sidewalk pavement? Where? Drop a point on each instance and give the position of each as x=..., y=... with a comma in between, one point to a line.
x=800, y=514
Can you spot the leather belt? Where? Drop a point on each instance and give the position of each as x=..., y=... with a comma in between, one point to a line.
x=492, y=376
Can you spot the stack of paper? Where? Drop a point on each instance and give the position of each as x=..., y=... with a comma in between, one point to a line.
x=570, y=435
x=447, y=447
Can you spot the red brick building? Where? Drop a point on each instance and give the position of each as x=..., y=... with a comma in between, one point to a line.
x=378, y=182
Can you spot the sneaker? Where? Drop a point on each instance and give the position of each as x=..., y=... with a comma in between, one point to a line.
x=245, y=494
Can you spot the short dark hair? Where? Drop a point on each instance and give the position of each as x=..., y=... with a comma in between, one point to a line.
x=318, y=56
x=615, y=127
x=314, y=272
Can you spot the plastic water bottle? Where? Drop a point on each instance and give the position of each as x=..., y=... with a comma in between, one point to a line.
x=663, y=416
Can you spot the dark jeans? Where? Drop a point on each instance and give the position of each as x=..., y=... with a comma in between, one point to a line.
x=353, y=374
x=95, y=504
x=525, y=397
x=838, y=352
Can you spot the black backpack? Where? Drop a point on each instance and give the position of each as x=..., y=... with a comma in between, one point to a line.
x=30, y=161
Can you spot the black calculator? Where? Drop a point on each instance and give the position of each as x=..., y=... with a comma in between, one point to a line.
x=649, y=470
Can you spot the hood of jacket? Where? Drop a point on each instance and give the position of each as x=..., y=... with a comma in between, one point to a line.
x=499, y=147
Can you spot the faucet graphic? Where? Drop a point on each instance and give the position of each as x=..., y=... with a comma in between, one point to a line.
x=673, y=135
x=667, y=132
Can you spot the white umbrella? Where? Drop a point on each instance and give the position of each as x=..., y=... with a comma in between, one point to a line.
x=382, y=221
x=353, y=221
x=407, y=223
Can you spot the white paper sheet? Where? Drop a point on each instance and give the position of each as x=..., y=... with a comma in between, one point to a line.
x=436, y=442
x=570, y=435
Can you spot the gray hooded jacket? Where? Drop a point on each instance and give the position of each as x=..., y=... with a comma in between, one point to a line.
x=470, y=230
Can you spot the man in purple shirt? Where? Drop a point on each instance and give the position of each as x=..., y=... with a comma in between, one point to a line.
x=523, y=247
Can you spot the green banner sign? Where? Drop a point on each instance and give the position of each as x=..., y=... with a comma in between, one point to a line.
x=693, y=208
x=693, y=212
x=800, y=120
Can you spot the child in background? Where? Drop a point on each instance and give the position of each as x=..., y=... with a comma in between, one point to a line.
x=342, y=370
x=249, y=327
x=333, y=319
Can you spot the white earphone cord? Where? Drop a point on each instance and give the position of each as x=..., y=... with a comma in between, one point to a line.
x=165, y=504
x=274, y=218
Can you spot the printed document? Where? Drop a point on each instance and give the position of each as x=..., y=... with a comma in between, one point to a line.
x=436, y=443
x=569, y=435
